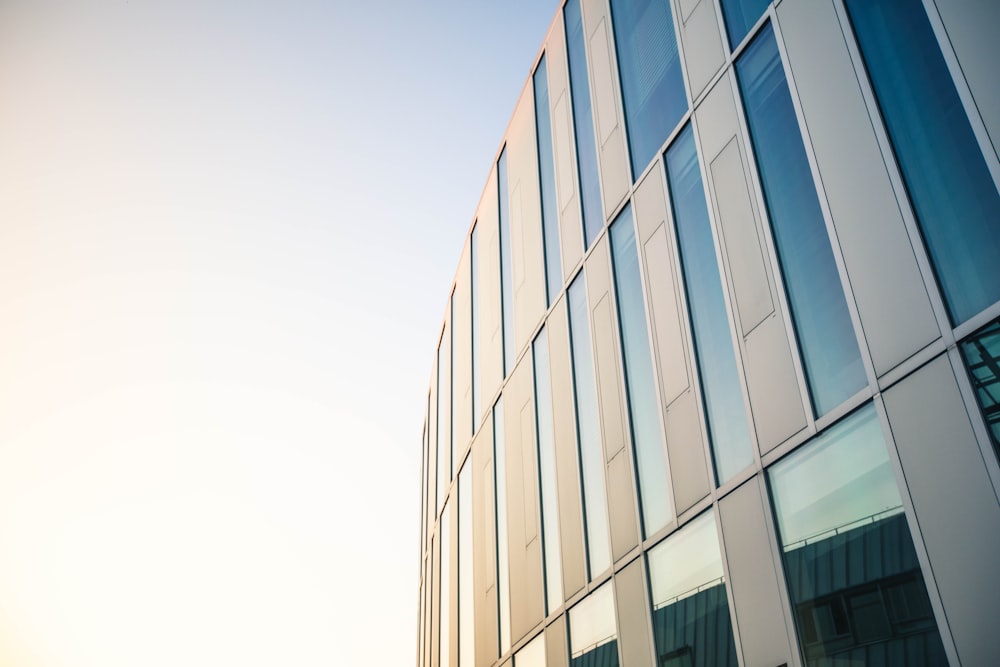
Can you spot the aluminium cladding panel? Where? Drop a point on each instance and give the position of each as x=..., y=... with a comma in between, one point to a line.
x=527, y=253
x=451, y=632
x=608, y=125
x=444, y=403
x=704, y=53
x=972, y=32
x=484, y=546
x=681, y=416
x=462, y=357
x=435, y=599
x=954, y=502
x=892, y=301
x=490, y=321
x=633, y=616
x=775, y=399
x=574, y=555
x=564, y=150
x=611, y=400
x=527, y=602
x=754, y=587
x=556, y=648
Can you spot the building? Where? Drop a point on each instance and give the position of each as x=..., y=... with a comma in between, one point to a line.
x=718, y=378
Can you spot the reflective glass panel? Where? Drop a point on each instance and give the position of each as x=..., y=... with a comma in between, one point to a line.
x=443, y=396
x=644, y=408
x=476, y=380
x=547, y=184
x=953, y=195
x=691, y=624
x=583, y=122
x=652, y=82
x=444, y=644
x=506, y=267
x=503, y=558
x=853, y=576
x=740, y=16
x=547, y=472
x=713, y=343
x=588, y=430
x=826, y=337
x=466, y=596
x=593, y=632
x=532, y=654
x=981, y=352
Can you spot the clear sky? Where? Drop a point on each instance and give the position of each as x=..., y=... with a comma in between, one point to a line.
x=227, y=232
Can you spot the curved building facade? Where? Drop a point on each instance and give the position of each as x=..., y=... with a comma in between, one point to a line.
x=718, y=381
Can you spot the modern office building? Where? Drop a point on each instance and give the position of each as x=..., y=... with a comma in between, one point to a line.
x=718, y=381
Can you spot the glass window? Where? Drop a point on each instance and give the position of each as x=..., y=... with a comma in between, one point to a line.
x=691, y=623
x=476, y=379
x=443, y=456
x=853, y=575
x=532, y=654
x=444, y=629
x=506, y=268
x=466, y=595
x=643, y=406
x=547, y=184
x=588, y=430
x=981, y=352
x=547, y=472
x=954, y=198
x=740, y=17
x=503, y=558
x=593, y=632
x=713, y=343
x=652, y=82
x=826, y=337
x=583, y=122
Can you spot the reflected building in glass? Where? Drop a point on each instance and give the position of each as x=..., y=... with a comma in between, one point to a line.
x=718, y=378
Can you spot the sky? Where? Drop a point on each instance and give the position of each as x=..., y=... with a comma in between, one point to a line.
x=227, y=236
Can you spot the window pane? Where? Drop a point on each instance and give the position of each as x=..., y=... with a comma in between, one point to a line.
x=713, y=343
x=547, y=472
x=547, y=184
x=588, y=432
x=852, y=572
x=583, y=122
x=691, y=623
x=826, y=338
x=740, y=17
x=506, y=268
x=652, y=82
x=644, y=408
x=476, y=381
x=953, y=196
x=466, y=596
x=443, y=397
x=503, y=558
x=981, y=351
x=444, y=629
x=593, y=633
x=532, y=654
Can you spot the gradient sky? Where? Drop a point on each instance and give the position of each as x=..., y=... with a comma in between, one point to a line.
x=227, y=233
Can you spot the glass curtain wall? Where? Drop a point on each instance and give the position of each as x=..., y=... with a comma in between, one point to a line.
x=740, y=16
x=593, y=631
x=466, y=595
x=503, y=558
x=444, y=626
x=474, y=282
x=506, y=266
x=547, y=184
x=552, y=554
x=981, y=352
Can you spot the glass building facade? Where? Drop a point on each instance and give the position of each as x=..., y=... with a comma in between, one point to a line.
x=727, y=327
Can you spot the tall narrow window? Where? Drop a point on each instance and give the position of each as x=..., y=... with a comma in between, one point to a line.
x=643, y=407
x=474, y=281
x=547, y=184
x=506, y=267
x=503, y=558
x=954, y=197
x=451, y=386
x=713, y=343
x=444, y=628
x=981, y=351
x=547, y=472
x=466, y=596
x=443, y=420
x=593, y=631
x=583, y=122
x=652, y=81
x=819, y=309
x=741, y=15
x=854, y=580
x=588, y=430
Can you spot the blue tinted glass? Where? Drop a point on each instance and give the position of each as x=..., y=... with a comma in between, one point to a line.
x=740, y=17
x=853, y=576
x=547, y=472
x=506, y=268
x=583, y=121
x=547, y=184
x=476, y=390
x=819, y=309
x=644, y=409
x=588, y=431
x=713, y=343
x=652, y=82
x=982, y=359
x=954, y=197
x=503, y=558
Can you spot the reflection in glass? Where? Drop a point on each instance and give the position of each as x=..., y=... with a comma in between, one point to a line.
x=503, y=558
x=506, y=267
x=466, y=596
x=740, y=16
x=652, y=82
x=852, y=572
x=547, y=184
x=595, y=507
x=444, y=627
x=593, y=632
x=644, y=409
x=953, y=195
x=691, y=623
x=443, y=395
x=713, y=344
x=981, y=352
x=547, y=472
x=531, y=654
x=583, y=122
x=476, y=380
x=826, y=337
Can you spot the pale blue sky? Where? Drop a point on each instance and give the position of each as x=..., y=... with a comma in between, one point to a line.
x=227, y=233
